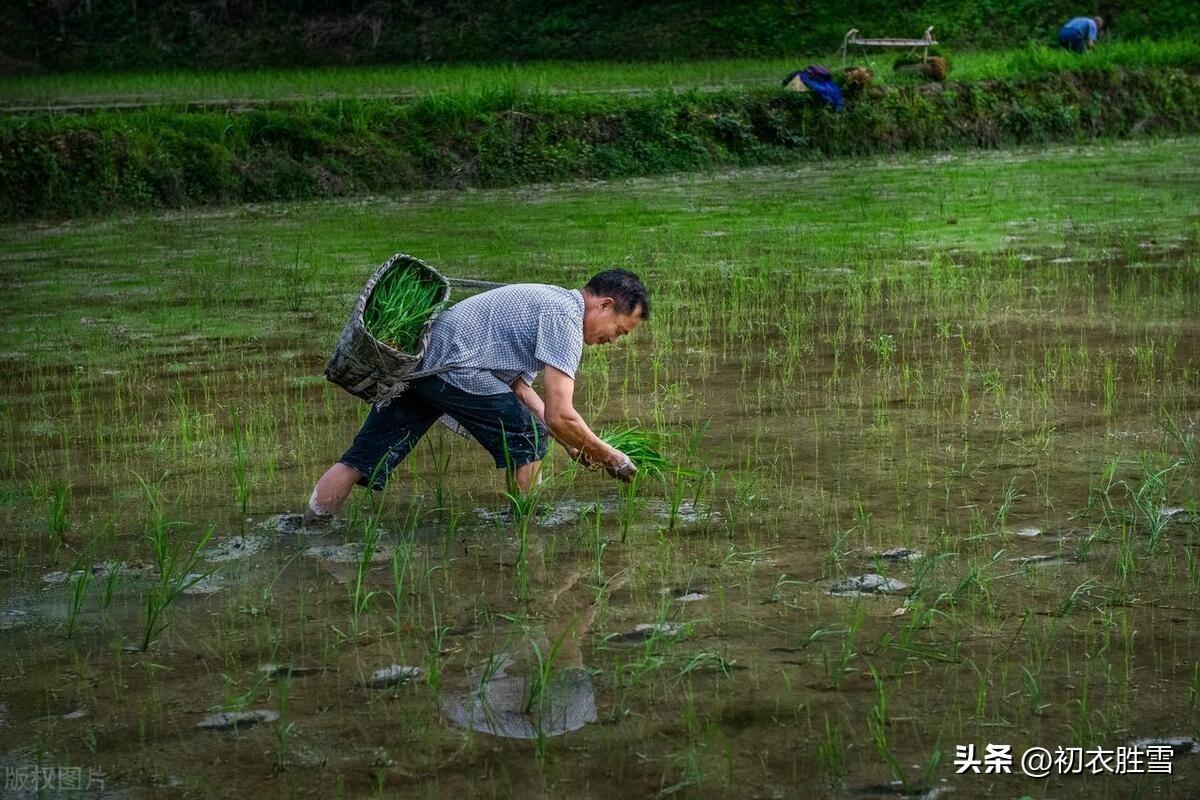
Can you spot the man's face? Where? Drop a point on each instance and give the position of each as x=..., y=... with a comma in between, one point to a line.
x=602, y=323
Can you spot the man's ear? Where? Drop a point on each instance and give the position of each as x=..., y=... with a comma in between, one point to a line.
x=607, y=302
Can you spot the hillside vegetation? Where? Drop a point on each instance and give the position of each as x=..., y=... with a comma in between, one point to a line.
x=55, y=35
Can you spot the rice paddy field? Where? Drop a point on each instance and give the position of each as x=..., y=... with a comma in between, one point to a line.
x=936, y=419
x=242, y=87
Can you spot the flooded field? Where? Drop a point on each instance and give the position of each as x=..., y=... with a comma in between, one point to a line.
x=941, y=422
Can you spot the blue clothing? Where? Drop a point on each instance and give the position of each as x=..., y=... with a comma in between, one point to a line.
x=499, y=422
x=820, y=82
x=503, y=334
x=1077, y=33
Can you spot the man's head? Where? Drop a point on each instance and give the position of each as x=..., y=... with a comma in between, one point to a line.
x=1099, y=22
x=614, y=303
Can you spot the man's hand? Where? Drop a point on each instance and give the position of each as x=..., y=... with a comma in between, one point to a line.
x=578, y=456
x=622, y=468
x=567, y=426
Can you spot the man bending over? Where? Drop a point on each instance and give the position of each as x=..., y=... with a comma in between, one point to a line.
x=490, y=348
x=1080, y=33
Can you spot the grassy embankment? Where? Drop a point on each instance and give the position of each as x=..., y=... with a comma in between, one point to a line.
x=54, y=165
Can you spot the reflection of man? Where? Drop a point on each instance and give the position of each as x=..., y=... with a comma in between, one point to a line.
x=523, y=707
x=538, y=705
x=488, y=350
x=1080, y=33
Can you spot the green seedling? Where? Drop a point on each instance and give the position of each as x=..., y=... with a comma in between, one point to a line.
x=174, y=562
x=643, y=447
x=80, y=579
x=241, y=482
x=58, y=524
x=398, y=308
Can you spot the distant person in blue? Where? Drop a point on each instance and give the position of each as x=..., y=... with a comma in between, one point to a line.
x=1080, y=33
x=817, y=79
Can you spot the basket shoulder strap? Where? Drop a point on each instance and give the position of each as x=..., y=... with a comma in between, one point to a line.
x=471, y=283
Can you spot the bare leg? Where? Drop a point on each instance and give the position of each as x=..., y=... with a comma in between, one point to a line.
x=330, y=493
x=527, y=475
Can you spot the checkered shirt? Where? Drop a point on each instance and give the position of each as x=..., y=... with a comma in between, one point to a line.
x=496, y=336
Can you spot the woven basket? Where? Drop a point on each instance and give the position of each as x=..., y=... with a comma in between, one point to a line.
x=366, y=367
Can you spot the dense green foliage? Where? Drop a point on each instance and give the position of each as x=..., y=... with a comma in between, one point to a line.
x=70, y=165
x=188, y=33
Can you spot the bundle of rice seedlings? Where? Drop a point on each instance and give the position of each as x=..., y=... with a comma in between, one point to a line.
x=642, y=446
x=399, y=307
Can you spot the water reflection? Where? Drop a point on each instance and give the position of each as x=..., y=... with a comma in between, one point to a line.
x=543, y=702
x=519, y=707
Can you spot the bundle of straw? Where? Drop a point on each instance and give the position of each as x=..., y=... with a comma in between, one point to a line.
x=399, y=307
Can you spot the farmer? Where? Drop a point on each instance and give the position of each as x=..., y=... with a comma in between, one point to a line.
x=817, y=79
x=491, y=347
x=1080, y=33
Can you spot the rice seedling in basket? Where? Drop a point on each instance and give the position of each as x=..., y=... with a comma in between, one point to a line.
x=398, y=309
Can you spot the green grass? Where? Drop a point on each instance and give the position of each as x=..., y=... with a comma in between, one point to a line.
x=306, y=85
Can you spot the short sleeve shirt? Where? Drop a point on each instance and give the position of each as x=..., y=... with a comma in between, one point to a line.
x=497, y=336
x=1081, y=28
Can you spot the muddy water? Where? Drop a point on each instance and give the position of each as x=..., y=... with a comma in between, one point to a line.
x=944, y=501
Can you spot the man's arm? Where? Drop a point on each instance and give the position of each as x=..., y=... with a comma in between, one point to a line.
x=568, y=426
x=533, y=401
x=529, y=398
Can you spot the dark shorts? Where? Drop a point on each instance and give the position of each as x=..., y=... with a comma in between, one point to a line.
x=499, y=422
x=1077, y=44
